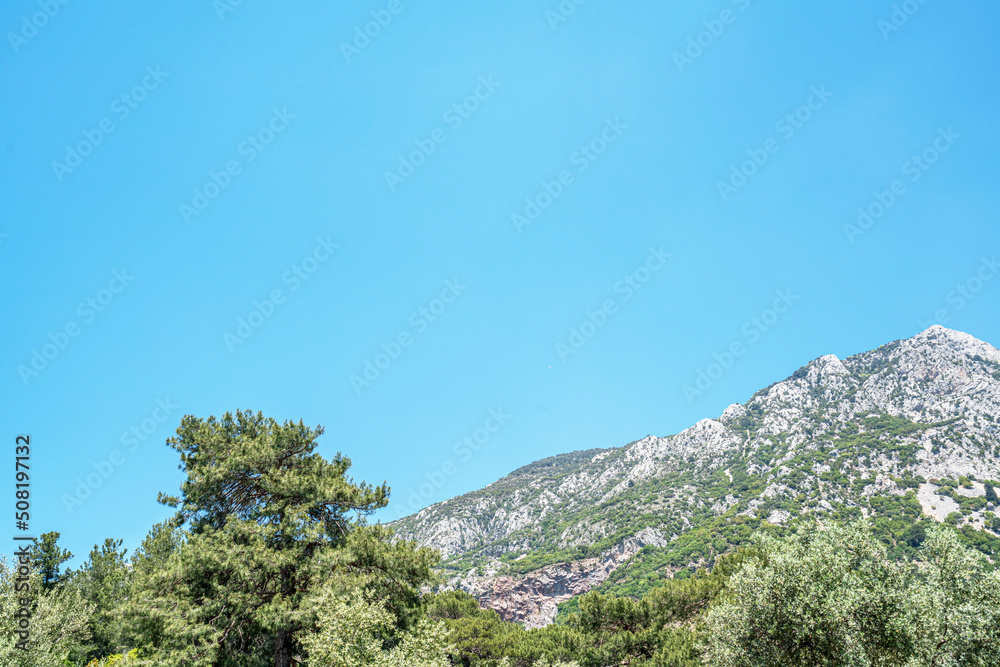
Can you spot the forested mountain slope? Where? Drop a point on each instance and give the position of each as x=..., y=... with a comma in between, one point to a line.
x=911, y=429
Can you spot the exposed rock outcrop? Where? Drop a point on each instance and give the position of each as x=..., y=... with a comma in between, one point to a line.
x=532, y=599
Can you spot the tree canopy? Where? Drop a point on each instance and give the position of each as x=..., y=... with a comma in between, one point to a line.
x=269, y=559
x=267, y=520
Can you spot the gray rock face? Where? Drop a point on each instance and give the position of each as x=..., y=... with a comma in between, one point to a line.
x=927, y=406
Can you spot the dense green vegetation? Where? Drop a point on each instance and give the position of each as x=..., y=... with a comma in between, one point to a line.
x=817, y=596
x=266, y=530
x=896, y=521
x=269, y=560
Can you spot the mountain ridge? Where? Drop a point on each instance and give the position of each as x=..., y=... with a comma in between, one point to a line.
x=862, y=435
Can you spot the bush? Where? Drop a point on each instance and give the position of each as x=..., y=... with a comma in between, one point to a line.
x=991, y=494
x=58, y=621
x=832, y=597
x=117, y=660
x=351, y=630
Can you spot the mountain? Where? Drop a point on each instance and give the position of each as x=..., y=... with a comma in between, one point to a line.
x=906, y=431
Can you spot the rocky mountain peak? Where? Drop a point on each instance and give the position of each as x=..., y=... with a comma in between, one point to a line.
x=834, y=437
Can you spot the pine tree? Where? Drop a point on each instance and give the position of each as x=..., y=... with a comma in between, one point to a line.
x=103, y=581
x=268, y=520
x=164, y=540
x=48, y=557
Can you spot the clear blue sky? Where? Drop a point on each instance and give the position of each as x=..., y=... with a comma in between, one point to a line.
x=213, y=157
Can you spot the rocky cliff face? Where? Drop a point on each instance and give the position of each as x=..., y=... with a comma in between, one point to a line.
x=829, y=439
x=533, y=599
